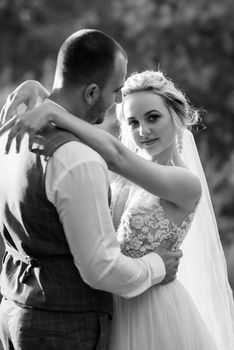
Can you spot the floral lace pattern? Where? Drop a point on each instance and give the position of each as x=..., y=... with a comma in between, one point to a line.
x=144, y=226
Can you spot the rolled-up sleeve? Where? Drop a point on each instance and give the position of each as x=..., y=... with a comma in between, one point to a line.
x=77, y=184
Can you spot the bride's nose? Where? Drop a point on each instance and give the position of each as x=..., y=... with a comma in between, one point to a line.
x=144, y=130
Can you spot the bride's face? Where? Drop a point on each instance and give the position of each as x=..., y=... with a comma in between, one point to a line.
x=149, y=123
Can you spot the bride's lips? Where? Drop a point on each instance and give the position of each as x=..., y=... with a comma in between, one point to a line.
x=149, y=142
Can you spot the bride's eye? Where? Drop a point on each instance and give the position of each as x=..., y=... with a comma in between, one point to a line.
x=153, y=117
x=132, y=122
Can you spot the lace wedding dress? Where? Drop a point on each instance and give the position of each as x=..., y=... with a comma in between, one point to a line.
x=164, y=317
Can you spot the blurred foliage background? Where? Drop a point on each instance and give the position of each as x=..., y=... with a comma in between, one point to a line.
x=192, y=41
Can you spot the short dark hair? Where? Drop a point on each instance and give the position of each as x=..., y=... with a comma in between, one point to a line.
x=88, y=56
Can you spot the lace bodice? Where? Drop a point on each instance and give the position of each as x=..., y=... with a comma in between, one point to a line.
x=144, y=225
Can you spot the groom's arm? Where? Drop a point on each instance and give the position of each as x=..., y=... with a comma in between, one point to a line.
x=77, y=184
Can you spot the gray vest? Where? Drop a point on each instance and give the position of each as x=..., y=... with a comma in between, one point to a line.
x=38, y=269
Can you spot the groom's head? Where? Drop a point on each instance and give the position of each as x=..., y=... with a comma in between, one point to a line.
x=91, y=69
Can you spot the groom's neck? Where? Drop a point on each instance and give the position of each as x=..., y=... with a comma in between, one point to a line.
x=68, y=102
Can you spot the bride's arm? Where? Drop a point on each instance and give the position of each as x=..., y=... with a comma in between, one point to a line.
x=175, y=184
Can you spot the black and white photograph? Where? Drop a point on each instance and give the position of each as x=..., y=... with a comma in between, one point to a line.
x=116, y=175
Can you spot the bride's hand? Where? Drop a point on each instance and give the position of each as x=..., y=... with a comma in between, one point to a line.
x=26, y=93
x=29, y=122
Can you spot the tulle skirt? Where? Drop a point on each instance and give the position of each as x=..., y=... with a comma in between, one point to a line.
x=162, y=318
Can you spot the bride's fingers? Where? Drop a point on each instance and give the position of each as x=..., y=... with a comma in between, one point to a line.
x=7, y=114
x=10, y=108
x=5, y=108
x=11, y=136
x=13, y=101
x=2, y=114
x=18, y=139
x=8, y=125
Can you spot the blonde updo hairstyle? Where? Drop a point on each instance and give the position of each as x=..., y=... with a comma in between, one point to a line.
x=183, y=115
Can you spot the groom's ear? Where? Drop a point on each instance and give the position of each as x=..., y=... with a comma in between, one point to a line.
x=91, y=93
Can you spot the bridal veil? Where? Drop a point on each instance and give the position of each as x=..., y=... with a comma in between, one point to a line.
x=203, y=268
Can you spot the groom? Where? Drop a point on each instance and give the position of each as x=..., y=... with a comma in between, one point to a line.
x=62, y=259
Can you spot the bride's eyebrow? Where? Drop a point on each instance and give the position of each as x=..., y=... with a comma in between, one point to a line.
x=153, y=110
x=130, y=118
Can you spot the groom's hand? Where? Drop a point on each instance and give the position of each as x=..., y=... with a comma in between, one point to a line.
x=171, y=259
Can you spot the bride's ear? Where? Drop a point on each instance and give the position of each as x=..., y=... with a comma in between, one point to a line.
x=92, y=93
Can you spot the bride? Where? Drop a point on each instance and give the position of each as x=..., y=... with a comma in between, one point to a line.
x=160, y=198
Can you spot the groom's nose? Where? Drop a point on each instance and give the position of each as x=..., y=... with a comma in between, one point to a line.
x=118, y=97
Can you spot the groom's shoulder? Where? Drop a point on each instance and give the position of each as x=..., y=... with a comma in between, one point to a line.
x=65, y=148
x=75, y=153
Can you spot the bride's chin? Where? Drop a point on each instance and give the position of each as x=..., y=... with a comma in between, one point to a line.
x=145, y=154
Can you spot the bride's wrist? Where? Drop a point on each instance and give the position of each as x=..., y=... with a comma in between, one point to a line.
x=58, y=116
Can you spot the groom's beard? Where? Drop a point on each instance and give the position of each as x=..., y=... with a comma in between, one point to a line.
x=97, y=112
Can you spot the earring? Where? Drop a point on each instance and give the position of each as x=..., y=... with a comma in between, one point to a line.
x=180, y=141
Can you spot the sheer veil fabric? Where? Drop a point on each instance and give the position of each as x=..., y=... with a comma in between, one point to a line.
x=203, y=268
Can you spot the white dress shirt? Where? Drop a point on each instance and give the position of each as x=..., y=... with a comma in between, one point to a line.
x=77, y=184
